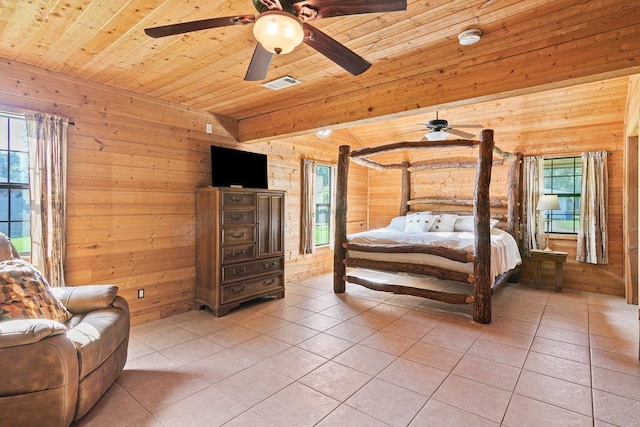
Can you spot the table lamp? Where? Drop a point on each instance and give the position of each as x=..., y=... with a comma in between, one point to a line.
x=548, y=202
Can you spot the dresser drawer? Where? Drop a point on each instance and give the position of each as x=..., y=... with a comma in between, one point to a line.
x=233, y=254
x=238, y=199
x=238, y=235
x=245, y=270
x=251, y=288
x=238, y=217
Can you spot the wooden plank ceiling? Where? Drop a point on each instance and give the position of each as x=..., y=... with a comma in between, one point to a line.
x=418, y=66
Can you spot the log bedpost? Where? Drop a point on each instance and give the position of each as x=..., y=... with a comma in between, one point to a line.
x=482, y=215
x=406, y=189
x=340, y=237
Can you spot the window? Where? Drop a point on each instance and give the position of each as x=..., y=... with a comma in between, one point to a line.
x=323, y=205
x=14, y=181
x=563, y=177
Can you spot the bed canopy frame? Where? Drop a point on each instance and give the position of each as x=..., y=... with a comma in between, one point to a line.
x=482, y=278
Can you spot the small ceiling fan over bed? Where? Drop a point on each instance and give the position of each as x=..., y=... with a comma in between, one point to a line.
x=439, y=129
x=281, y=25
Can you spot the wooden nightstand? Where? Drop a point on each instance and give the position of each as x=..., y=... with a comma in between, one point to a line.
x=538, y=257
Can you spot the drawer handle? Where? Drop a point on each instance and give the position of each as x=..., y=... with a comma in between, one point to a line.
x=268, y=266
x=242, y=252
x=240, y=271
x=237, y=291
x=269, y=282
x=238, y=235
x=238, y=199
x=238, y=217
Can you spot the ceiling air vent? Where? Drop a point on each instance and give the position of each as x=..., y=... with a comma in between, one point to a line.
x=281, y=83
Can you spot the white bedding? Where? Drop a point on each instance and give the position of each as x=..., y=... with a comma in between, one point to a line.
x=504, y=248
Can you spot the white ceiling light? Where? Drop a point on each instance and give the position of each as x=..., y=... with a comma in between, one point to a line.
x=324, y=133
x=469, y=37
x=436, y=135
x=278, y=32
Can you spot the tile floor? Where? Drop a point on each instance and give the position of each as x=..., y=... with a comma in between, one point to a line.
x=368, y=358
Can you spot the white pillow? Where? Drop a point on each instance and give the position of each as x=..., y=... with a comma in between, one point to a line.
x=419, y=223
x=398, y=223
x=444, y=222
x=467, y=223
x=419, y=213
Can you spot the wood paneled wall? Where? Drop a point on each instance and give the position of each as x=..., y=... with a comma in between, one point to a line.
x=133, y=165
x=557, y=123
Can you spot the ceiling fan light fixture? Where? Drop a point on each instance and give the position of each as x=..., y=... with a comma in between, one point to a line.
x=469, y=37
x=436, y=135
x=278, y=32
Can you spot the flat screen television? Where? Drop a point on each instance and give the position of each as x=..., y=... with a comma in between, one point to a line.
x=236, y=168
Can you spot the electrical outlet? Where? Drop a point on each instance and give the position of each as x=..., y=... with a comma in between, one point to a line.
x=208, y=128
x=140, y=293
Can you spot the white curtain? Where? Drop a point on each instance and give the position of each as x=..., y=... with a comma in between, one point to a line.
x=332, y=221
x=308, y=220
x=47, y=187
x=592, y=232
x=533, y=189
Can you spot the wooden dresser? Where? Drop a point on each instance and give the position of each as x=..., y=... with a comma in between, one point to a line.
x=239, y=246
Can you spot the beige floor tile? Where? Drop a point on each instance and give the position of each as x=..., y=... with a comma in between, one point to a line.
x=294, y=362
x=319, y=322
x=447, y=338
x=436, y=413
x=137, y=349
x=208, y=407
x=167, y=338
x=514, y=325
x=117, y=407
x=387, y=402
x=434, y=356
x=346, y=416
x=341, y=311
x=480, y=399
x=557, y=367
x=351, y=331
x=293, y=333
x=191, y=351
x=389, y=343
x=389, y=310
x=520, y=314
x=616, y=382
x=145, y=368
x=487, y=372
x=616, y=410
x=466, y=326
x=219, y=366
x=260, y=348
x=247, y=389
x=424, y=318
x=315, y=305
x=151, y=328
x=565, y=323
x=191, y=316
x=166, y=388
x=296, y=405
x=628, y=347
x=243, y=314
x=365, y=359
x=577, y=353
x=335, y=380
x=527, y=412
x=414, y=376
x=563, y=335
x=149, y=421
x=616, y=362
x=326, y=345
x=249, y=419
x=291, y=313
x=208, y=325
x=231, y=336
x=406, y=329
x=265, y=324
x=505, y=337
x=565, y=394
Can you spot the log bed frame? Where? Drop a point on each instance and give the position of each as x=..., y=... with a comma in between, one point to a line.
x=481, y=202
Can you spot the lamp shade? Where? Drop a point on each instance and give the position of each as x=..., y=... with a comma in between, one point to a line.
x=278, y=32
x=548, y=202
x=438, y=135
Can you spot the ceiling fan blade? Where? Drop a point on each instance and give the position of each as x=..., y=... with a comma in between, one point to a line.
x=316, y=9
x=259, y=64
x=335, y=51
x=460, y=133
x=468, y=126
x=187, y=27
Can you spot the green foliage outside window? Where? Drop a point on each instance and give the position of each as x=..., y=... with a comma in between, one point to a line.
x=563, y=177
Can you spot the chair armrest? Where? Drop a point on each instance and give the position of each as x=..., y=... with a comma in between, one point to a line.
x=28, y=331
x=83, y=299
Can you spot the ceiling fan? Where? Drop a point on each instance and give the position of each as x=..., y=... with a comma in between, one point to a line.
x=439, y=129
x=281, y=25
